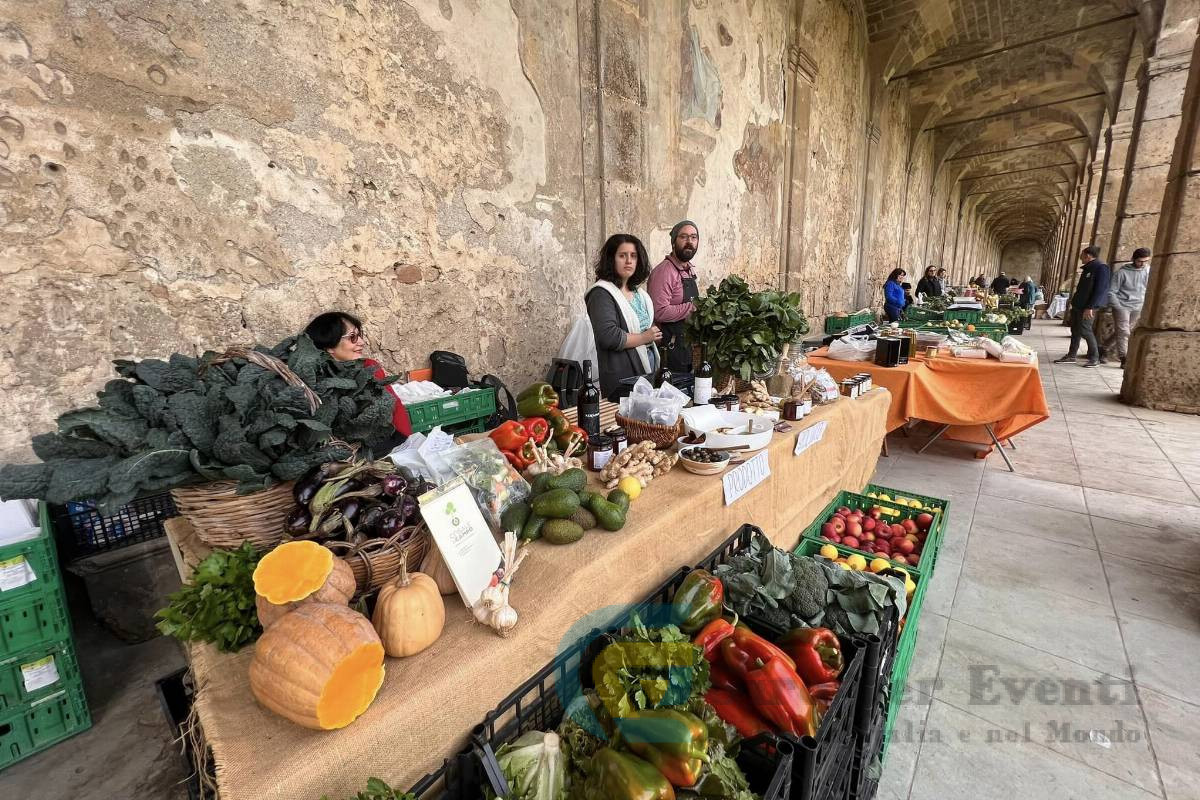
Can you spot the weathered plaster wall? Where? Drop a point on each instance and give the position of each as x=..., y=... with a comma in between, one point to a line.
x=1021, y=258
x=186, y=176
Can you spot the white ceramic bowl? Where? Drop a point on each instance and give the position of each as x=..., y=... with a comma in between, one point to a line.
x=702, y=468
x=763, y=429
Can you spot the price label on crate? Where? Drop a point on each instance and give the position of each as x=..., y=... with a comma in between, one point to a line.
x=39, y=674
x=810, y=436
x=15, y=573
x=741, y=479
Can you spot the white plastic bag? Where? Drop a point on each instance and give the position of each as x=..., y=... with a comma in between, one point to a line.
x=852, y=348
x=580, y=344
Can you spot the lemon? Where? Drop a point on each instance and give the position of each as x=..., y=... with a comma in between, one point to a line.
x=909, y=587
x=844, y=566
x=872, y=494
x=828, y=551
x=885, y=497
x=856, y=562
x=902, y=570
x=630, y=486
x=880, y=564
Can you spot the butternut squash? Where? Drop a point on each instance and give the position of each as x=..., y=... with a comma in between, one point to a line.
x=296, y=573
x=409, y=613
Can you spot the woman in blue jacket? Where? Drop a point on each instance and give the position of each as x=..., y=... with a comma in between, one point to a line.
x=893, y=295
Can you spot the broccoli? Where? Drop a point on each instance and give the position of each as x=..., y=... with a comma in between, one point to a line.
x=807, y=598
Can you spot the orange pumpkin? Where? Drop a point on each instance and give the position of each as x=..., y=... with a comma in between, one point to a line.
x=319, y=666
x=297, y=573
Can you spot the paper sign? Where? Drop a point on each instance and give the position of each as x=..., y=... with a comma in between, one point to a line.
x=39, y=674
x=15, y=573
x=810, y=436
x=462, y=535
x=743, y=478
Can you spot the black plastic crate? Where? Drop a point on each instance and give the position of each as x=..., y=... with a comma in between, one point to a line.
x=538, y=705
x=823, y=765
x=870, y=729
x=81, y=530
x=176, y=695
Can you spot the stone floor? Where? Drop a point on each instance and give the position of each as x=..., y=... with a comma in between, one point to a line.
x=1059, y=648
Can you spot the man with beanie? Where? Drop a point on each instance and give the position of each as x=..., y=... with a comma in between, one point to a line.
x=1091, y=293
x=673, y=287
x=1126, y=296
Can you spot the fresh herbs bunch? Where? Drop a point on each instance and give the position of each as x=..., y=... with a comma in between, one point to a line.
x=186, y=420
x=378, y=790
x=649, y=668
x=745, y=331
x=217, y=605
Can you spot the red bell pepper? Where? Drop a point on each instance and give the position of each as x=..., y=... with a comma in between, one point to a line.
x=722, y=677
x=573, y=435
x=538, y=429
x=817, y=653
x=711, y=635
x=698, y=601
x=518, y=463
x=509, y=435
x=735, y=708
x=559, y=424
x=823, y=694
x=782, y=699
x=758, y=647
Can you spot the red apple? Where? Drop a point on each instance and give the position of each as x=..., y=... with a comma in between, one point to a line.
x=924, y=521
x=914, y=559
x=835, y=538
x=855, y=518
x=843, y=510
x=912, y=537
x=850, y=541
x=904, y=546
x=882, y=546
x=868, y=536
x=827, y=529
x=909, y=526
x=876, y=512
x=838, y=523
x=868, y=524
x=853, y=528
x=897, y=530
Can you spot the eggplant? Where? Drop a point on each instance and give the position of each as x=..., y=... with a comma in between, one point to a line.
x=349, y=508
x=305, y=488
x=393, y=485
x=391, y=524
x=368, y=518
x=297, y=522
x=408, y=508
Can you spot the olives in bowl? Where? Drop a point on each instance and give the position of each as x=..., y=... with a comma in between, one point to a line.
x=703, y=461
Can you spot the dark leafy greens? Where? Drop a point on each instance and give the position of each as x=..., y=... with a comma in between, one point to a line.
x=186, y=420
x=217, y=606
x=378, y=790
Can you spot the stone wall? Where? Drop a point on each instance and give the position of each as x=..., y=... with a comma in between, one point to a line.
x=1020, y=258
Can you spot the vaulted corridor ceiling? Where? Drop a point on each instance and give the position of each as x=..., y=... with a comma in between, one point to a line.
x=1016, y=93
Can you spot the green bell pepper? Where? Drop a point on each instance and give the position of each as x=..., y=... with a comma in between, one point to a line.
x=537, y=400
x=698, y=601
x=613, y=775
x=675, y=742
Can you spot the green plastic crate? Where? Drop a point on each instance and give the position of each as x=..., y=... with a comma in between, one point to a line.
x=839, y=324
x=45, y=722
x=963, y=315
x=854, y=501
x=466, y=407
x=27, y=622
x=919, y=314
x=36, y=555
x=904, y=655
x=54, y=664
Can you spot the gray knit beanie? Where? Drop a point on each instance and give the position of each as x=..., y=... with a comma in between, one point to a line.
x=680, y=224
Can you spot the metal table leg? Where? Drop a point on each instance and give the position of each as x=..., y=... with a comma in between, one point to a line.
x=935, y=437
x=999, y=446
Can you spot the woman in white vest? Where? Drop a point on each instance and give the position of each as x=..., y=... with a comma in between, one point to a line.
x=622, y=314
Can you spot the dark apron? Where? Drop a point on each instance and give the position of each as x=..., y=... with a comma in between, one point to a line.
x=674, y=341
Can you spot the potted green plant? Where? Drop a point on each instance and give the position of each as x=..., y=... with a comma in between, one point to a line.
x=746, y=331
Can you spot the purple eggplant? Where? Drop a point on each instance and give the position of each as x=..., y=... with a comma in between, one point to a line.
x=368, y=518
x=349, y=508
x=297, y=522
x=305, y=489
x=393, y=485
x=408, y=509
x=390, y=524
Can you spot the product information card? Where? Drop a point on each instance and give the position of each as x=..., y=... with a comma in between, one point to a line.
x=745, y=477
x=810, y=436
x=462, y=534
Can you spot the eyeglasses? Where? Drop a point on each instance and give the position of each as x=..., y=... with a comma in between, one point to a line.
x=689, y=237
x=354, y=337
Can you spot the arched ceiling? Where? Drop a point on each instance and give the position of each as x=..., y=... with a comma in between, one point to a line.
x=1016, y=93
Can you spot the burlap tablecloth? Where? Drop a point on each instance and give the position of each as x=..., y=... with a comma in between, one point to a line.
x=429, y=702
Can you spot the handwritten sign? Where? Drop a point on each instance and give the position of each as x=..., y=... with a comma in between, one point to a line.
x=741, y=479
x=810, y=436
x=463, y=536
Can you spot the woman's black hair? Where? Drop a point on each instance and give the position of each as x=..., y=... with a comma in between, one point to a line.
x=606, y=265
x=327, y=329
x=896, y=273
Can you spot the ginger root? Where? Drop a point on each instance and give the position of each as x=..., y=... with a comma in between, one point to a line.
x=641, y=461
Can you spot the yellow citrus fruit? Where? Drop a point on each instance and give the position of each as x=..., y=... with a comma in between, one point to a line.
x=909, y=587
x=856, y=562
x=880, y=564
x=901, y=570
x=844, y=566
x=884, y=497
x=872, y=494
x=630, y=486
x=828, y=551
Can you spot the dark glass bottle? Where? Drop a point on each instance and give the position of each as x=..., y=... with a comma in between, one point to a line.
x=589, y=403
x=702, y=388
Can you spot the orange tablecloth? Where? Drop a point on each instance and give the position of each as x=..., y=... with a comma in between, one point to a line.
x=964, y=393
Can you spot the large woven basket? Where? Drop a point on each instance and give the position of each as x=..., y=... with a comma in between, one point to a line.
x=377, y=561
x=663, y=436
x=223, y=518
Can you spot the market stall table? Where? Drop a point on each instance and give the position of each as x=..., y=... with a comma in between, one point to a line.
x=971, y=398
x=429, y=702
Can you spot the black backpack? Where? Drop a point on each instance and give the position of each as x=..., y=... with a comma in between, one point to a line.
x=506, y=406
x=449, y=369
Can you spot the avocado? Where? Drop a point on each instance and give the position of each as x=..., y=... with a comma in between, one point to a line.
x=561, y=531
x=584, y=519
x=556, y=503
x=514, y=517
x=540, y=483
x=619, y=498
x=586, y=498
x=610, y=515
x=533, y=527
x=574, y=479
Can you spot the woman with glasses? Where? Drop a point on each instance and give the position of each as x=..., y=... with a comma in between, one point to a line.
x=341, y=335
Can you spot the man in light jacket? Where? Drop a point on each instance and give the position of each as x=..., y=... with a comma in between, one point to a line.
x=1126, y=294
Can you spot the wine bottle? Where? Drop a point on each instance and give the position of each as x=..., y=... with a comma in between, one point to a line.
x=589, y=403
x=702, y=388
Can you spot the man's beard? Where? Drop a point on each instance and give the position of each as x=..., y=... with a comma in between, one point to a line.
x=685, y=253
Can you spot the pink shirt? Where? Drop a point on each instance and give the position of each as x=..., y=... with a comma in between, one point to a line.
x=666, y=290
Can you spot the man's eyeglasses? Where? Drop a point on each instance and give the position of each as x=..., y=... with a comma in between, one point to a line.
x=354, y=337
x=689, y=237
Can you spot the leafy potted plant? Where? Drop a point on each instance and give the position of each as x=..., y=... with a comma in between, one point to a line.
x=746, y=331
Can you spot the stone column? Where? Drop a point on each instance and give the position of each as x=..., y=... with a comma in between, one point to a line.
x=1117, y=142
x=1163, y=370
x=802, y=72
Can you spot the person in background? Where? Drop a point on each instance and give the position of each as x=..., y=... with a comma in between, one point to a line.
x=622, y=314
x=1126, y=295
x=341, y=335
x=673, y=290
x=929, y=285
x=941, y=279
x=1091, y=293
x=1000, y=285
x=893, y=295
x=1028, y=293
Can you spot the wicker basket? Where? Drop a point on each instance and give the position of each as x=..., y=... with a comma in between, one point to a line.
x=377, y=561
x=224, y=518
x=663, y=436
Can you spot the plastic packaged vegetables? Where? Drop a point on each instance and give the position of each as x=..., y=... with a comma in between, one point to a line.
x=493, y=481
